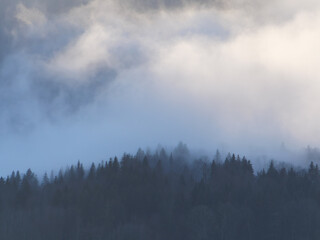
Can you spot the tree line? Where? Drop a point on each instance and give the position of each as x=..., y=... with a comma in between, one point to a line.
x=162, y=196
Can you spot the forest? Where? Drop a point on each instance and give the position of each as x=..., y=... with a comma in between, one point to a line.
x=162, y=196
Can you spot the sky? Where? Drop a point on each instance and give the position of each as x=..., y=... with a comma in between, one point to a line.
x=89, y=79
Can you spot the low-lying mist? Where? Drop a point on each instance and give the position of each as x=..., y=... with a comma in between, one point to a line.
x=183, y=157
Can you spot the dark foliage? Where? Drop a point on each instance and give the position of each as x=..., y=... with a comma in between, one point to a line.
x=155, y=196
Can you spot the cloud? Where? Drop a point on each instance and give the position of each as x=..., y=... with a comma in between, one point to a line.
x=29, y=16
x=238, y=75
x=84, y=56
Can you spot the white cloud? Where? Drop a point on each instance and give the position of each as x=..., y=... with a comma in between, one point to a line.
x=84, y=55
x=30, y=16
x=262, y=82
x=262, y=75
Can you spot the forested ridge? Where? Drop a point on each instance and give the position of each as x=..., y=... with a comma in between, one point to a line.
x=162, y=196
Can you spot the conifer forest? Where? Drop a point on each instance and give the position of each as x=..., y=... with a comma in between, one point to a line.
x=159, y=196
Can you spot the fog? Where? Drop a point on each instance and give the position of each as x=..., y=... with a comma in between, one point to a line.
x=86, y=80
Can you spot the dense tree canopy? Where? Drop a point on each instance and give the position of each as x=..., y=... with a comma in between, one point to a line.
x=162, y=196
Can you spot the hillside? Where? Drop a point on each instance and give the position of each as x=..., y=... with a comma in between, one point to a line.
x=158, y=196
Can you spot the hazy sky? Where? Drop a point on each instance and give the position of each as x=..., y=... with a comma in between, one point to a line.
x=85, y=80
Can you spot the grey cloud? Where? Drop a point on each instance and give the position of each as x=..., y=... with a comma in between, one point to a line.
x=5, y=44
x=6, y=25
x=57, y=98
x=141, y=5
x=25, y=86
x=51, y=7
